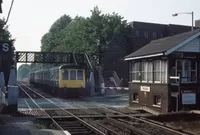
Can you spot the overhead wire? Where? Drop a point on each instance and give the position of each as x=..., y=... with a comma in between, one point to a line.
x=9, y=11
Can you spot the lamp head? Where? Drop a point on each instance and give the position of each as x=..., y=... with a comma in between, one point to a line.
x=175, y=14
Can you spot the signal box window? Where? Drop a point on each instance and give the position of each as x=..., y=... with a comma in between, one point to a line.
x=187, y=69
x=72, y=74
x=135, y=97
x=65, y=74
x=80, y=75
x=157, y=101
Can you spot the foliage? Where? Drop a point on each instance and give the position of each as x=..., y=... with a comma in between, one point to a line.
x=7, y=58
x=52, y=39
x=23, y=72
x=25, y=69
x=85, y=34
x=5, y=36
x=99, y=32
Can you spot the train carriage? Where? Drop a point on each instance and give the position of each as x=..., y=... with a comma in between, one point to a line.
x=63, y=81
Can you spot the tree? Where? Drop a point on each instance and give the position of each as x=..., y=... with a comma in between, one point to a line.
x=55, y=35
x=1, y=6
x=5, y=36
x=23, y=72
x=83, y=34
x=6, y=58
x=97, y=32
x=78, y=36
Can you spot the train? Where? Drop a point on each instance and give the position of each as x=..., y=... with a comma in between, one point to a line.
x=68, y=81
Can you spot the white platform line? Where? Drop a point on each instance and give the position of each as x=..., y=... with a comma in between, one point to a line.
x=28, y=105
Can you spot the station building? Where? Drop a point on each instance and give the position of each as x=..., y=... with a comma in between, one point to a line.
x=164, y=75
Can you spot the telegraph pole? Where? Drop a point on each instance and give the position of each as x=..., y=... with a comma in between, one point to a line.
x=1, y=1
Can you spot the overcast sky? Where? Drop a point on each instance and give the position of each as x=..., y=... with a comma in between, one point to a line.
x=31, y=19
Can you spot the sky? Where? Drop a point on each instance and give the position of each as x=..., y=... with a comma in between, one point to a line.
x=31, y=19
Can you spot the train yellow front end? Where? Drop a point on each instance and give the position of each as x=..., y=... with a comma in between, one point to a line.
x=72, y=81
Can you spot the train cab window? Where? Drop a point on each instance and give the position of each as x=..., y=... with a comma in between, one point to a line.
x=72, y=74
x=80, y=75
x=65, y=74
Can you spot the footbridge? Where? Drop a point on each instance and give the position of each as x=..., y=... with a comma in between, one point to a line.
x=85, y=59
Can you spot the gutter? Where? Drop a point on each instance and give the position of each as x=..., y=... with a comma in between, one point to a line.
x=145, y=56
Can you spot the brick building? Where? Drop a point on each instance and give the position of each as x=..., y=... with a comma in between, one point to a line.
x=164, y=74
x=142, y=33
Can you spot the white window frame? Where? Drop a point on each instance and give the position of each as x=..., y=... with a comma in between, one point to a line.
x=134, y=70
x=164, y=71
x=161, y=71
x=157, y=71
x=145, y=72
x=150, y=71
x=183, y=70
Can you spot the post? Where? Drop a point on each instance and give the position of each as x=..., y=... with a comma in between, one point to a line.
x=192, y=20
x=13, y=91
x=179, y=93
x=92, y=84
x=102, y=87
x=192, y=13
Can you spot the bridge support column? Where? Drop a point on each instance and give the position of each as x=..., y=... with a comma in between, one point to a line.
x=102, y=87
x=13, y=91
x=13, y=94
x=13, y=77
x=92, y=84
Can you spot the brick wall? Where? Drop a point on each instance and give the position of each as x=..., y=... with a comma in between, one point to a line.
x=148, y=100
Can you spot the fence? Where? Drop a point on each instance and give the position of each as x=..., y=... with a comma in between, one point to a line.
x=114, y=91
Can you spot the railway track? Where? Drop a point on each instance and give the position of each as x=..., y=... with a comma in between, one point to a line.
x=103, y=120
x=149, y=126
x=84, y=125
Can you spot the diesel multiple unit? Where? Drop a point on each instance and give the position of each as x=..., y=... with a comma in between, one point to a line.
x=63, y=81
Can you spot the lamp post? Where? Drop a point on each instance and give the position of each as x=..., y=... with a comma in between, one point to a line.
x=192, y=13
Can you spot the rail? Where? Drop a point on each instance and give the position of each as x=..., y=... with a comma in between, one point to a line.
x=82, y=121
x=141, y=119
x=116, y=122
x=42, y=110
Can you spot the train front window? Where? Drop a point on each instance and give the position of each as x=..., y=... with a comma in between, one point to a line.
x=80, y=75
x=72, y=74
x=65, y=74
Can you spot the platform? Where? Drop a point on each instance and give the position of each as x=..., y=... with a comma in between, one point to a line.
x=23, y=126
